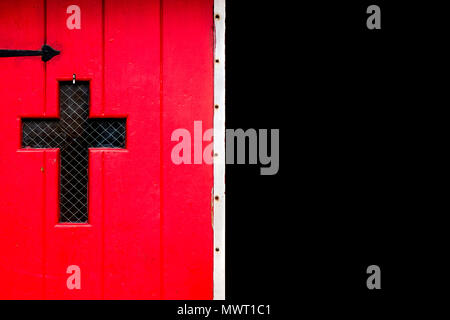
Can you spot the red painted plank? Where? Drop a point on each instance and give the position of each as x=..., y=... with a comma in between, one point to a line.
x=81, y=50
x=187, y=61
x=131, y=180
x=69, y=244
x=21, y=189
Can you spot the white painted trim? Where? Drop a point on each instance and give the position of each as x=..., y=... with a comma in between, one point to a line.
x=219, y=150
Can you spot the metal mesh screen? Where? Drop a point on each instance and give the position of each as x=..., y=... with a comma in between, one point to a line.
x=74, y=133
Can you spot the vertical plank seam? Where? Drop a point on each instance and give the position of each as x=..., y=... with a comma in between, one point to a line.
x=44, y=209
x=44, y=185
x=103, y=227
x=103, y=57
x=45, y=64
x=103, y=153
x=161, y=143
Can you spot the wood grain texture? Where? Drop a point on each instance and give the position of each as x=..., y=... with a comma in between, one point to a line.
x=149, y=234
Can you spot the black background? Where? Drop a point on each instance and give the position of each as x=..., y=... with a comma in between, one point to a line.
x=357, y=111
x=359, y=182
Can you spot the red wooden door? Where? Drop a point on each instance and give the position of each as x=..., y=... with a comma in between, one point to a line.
x=148, y=232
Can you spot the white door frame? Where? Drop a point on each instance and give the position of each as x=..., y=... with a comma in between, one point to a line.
x=219, y=150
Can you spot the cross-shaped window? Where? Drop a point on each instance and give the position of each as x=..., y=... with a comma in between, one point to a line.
x=74, y=133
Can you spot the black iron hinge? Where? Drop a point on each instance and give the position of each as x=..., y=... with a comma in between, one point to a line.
x=46, y=52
